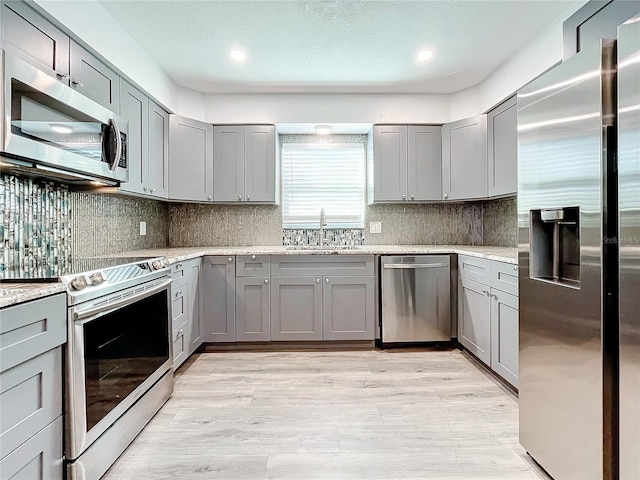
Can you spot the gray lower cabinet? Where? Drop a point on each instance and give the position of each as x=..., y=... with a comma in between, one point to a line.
x=503, y=149
x=474, y=318
x=190, y=160
x=348, y=308
x=186, y=309
x=219, y=299
x=31, y=335
x=244, y=163
x=93, y=78
x=504, y=335
x=253, y=309
x=464, y=159
x=296, y=308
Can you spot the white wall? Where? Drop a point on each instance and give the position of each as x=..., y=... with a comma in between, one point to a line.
x=326, y=108
x=106, y=36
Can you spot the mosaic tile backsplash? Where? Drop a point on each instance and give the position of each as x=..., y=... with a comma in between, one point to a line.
x=35, y=228
x=500, y=223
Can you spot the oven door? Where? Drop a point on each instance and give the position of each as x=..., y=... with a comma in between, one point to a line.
x=118, y=347
x=53, y=125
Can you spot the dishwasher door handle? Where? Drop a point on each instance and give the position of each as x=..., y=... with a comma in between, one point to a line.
x=415, y=265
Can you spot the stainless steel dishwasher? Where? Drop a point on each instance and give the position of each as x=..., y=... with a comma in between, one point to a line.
x=416, y=299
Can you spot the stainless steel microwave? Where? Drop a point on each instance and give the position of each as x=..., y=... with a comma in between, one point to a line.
x=51, y=128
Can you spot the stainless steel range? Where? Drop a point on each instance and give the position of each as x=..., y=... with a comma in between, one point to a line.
x=118, y=370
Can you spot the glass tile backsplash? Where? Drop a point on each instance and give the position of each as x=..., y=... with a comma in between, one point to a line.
x=35, y=228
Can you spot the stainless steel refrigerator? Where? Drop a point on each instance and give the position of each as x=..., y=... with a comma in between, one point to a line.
x=579, y=286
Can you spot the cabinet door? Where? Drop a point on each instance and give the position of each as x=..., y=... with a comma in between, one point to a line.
x=218, y=299
x=260, y=163
x=228, y=163
x=296, y=308
x=93, y=78
x=180, y=323
x=134, y=107
x=503, y=149
x=474, y=318
x=504, y=335
x=464, y=159
x=389, y=163
x=253, y=309
x=158, y=168
x=195, y=305
x=33, y=38
x=348, y=308
x=424, y=163
x=190, y=159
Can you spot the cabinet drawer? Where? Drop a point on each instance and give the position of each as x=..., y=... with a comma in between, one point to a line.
x=29, y=329
x=179, y=270
x=39, y=458
x=31, y=398
x=504, y=276
x=330, y=264
x=474, y=268
x=179, y=307
x=253, y=266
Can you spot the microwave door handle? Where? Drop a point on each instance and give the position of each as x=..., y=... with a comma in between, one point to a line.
x=90, y=314
x=116, y=158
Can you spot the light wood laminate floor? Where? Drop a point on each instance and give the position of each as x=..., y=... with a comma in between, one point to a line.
x=331, y=415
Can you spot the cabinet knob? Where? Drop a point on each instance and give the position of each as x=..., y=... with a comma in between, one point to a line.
x=412, y=197
x=153, y=190
x=144, y=189
x=62, y=75
x=179, y=265
x=404, y=197
x=178, y=293
x=253, y=257
x=317, y=280
x=515, y=267
x=248, y=197
x=76, y=83
x=486, y=292
x=326, y=280
x=239, y=198
x=209, y=197
x=446, y=195
x=179, y=333
x=230, y=259
x=266, y=280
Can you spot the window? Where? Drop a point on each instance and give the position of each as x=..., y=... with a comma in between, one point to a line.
x=329, y=176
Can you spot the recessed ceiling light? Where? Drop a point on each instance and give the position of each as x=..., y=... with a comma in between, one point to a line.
x=59, y=128
x=237, y=54
x=323, y=129
x=424, y=55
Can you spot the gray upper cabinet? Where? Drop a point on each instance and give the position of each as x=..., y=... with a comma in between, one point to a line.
x=503, y=149
x=253, y=309
x=93, y=78
x=296, y=308
x=158, y=151
x=33, y=38
x=134, y=107
x=464, y=159
x=348, y=308
x=219, y=302
x=406, y=163
x=244, y=163
x=190, y=160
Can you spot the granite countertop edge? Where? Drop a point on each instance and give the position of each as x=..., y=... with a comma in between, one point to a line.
x=26, y=292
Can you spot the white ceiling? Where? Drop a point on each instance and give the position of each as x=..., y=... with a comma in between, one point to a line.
x=332, y=45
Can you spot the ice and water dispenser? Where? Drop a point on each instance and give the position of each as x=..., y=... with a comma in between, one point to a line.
x=555, y=245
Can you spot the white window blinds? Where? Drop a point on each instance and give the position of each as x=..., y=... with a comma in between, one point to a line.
x=329, y=176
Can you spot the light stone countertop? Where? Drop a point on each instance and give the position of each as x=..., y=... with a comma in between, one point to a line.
x=14, y=293
x=501, y=254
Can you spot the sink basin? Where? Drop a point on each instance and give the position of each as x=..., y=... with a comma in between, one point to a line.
x=322, y=247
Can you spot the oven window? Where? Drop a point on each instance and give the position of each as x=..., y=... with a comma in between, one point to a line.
x=122, y=349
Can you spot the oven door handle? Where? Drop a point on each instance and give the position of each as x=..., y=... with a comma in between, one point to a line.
x=89, y=314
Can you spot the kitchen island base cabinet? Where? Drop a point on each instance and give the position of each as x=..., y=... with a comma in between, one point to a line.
x=253, y=309
x=296, y=308
x=474, y=317
x=219, y=299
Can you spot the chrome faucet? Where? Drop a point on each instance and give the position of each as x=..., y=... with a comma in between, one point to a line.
x=323, y=223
